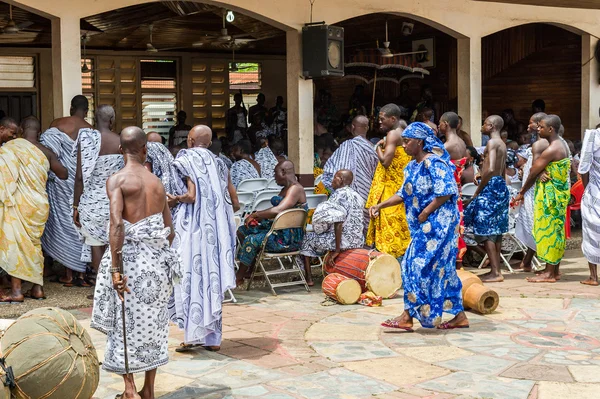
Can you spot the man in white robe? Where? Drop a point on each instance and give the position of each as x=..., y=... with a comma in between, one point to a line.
x=205, y=241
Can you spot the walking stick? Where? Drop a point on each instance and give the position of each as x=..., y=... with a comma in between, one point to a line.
x=120, y=263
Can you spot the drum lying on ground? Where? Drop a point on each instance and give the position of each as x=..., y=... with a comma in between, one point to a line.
x=52, y=356
x=374, y=271
x=341, y=288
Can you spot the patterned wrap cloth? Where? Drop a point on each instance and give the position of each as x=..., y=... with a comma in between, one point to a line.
x=161, y=160
x=431, y=285
x=488, y=212
x=524, y=227
x=267, y=161
x=287, y=240
x=205, y=241
x=243, y=170
x=590, y=204
x=60, y=239
x=550, y=210
x=150, y=266
x=389, y=231
x=23, y=209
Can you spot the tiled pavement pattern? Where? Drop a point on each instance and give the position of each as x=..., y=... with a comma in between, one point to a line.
x=543, y=342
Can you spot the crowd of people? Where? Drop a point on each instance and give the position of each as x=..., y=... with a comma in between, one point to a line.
x=153, y=227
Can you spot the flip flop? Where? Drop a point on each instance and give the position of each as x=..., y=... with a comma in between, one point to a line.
x=28, y=295
x=395, y=324
x=8, y=300
x=446, y=326
x=186, y=347
x=211, y=349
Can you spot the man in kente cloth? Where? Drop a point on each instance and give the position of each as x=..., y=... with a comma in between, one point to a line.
x=431, y=285
x=524, y=227
x=205, y=228
x=457, y=149
x=337, y=223
x=160, y=161
x=487, y=211
x=358, y=156
x=98, y=158
x=60, y=240
x=389, y=230
x=23, y=211
x=138, y=269
x=552, y=194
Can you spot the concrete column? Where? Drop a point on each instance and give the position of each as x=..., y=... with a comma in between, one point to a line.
x=66, y=63
x=300, y=111
x=590, y=83
x=469, y=86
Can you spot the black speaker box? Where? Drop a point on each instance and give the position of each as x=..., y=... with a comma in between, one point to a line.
x=322, y=51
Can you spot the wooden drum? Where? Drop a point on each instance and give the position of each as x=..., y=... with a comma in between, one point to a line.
x=343, y=289
x=375, y=271
x=51, y=355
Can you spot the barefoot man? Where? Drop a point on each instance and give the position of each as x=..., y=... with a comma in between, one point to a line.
x=137, y=269
x=589, y=168
x=552, y=194
x=487, y=211
x=431, y=285
x=524, y=228
x=203, y=219
x=457, y=149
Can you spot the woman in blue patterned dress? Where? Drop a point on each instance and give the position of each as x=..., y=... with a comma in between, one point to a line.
x=431, y=285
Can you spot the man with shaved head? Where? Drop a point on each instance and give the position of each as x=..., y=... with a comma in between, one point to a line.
x=98, y=158
x=551, y=197
x=203, y=205
x=337, y=223
x=487, y=211
x=359, y=157
x=60, y=240
x=159, y=161
x=138, y=269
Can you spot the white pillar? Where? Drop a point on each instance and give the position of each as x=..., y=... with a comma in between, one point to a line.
x=590, y=83
x=300, y=110
x=469, y=86
x=66, y=63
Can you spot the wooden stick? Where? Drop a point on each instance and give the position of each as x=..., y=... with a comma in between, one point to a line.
x=120, y=263
x=373, y=101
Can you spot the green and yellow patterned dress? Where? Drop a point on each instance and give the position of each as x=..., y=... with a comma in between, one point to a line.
x=550, y=209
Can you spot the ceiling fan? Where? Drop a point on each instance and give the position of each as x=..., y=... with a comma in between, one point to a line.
x=223, y=37
x=385, y=51
x=149, y=46
x=17, y=33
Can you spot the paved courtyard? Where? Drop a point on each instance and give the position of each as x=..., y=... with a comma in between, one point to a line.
x=543, y=342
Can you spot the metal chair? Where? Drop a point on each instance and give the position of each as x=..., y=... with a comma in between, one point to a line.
x=290, y=219
x=252, y=185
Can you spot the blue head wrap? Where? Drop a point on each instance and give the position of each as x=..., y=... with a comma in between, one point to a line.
x=420, y=131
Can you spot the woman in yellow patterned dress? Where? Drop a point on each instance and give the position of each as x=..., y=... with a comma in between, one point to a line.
x=389, y=231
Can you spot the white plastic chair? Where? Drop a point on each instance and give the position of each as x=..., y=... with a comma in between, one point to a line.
x=516, y=185
x=252, y=185
x=290, y=219
x=309, y=190
x=273, y=185
x=247, y=198
x=318, y=180
x=261, y=205
x=269, y=193
x=315, y=199
x=468, y=190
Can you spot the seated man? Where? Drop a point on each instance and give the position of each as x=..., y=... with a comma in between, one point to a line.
x=337, y=223
x=258, y=224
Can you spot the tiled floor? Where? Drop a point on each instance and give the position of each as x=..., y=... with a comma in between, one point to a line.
x=543, y=342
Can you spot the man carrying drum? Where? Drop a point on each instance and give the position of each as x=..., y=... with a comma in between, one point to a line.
x=337, y=223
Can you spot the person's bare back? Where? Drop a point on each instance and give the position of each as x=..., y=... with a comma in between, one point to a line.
x=143, y=193
x=495, y=157
x=109, y=143
x=70, y=125
x=455, y=146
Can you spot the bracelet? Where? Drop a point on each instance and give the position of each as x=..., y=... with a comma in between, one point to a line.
x=74, y=206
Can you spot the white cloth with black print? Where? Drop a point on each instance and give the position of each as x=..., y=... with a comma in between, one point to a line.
x=150, y=266
x=162, y=165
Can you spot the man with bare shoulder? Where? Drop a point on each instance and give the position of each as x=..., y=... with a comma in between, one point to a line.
x=60, y=240
x=552, y=194
x=524, y=227
x=389, y=230
x=457, y=149
x=487, y=211
x=137, y=270
x=98, y=158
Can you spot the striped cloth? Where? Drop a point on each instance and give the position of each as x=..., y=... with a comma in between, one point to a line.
x=358, y=156
x=60, y=239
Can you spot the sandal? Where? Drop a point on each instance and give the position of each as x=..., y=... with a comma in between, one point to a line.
x=186, y=347
x=9, y=300
x=447, y=326
x=391, y=323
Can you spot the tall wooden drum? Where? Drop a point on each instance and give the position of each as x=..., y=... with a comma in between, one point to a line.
x=52, y=356
x=374, y=271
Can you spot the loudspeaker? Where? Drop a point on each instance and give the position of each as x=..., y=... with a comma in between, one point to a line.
x=322, y=51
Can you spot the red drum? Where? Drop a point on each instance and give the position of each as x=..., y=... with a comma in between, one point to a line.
x=343, y=289
x=375, y=271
